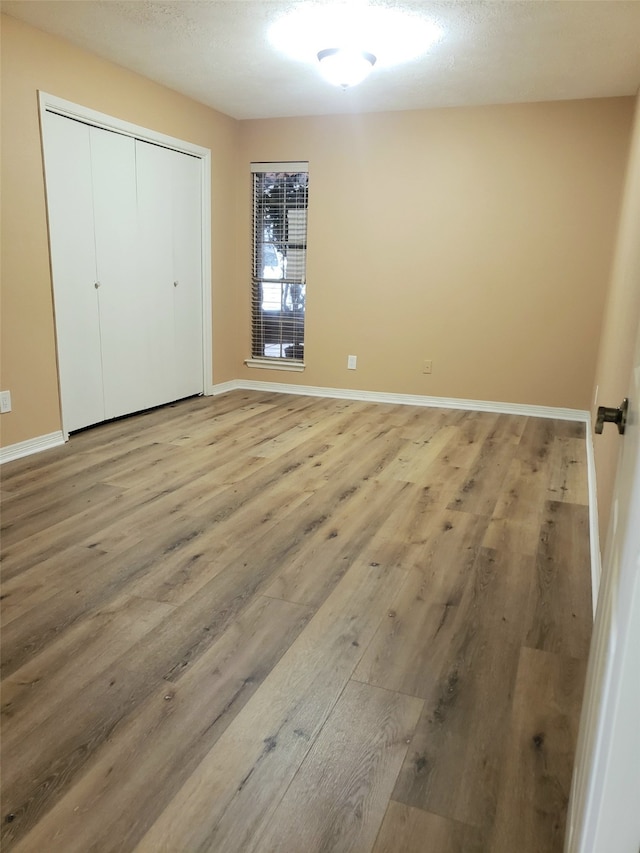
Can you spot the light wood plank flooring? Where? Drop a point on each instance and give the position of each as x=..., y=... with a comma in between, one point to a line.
x=275, y=623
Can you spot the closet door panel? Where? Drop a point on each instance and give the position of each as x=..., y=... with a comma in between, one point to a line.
x=124, y=302
x=67, y=155
x=187, y=267
x=156, y=265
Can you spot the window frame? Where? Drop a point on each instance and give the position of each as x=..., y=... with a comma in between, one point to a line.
x=278, y=333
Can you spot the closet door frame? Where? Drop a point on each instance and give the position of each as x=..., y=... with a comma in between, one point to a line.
x=51, y=103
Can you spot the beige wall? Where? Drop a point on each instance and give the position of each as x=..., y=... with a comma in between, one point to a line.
x=615, y=359
x=480, y=238
x=33, y=60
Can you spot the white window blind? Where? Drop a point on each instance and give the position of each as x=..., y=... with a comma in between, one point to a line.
x=278, y=288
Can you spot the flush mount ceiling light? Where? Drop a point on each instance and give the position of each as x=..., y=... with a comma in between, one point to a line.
x=379, y=34
x=345, y=66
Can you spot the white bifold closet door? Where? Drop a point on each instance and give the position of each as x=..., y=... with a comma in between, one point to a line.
x=124, y=302
x=125, y=233
x=73, y=261
x=186, y=189
x=169, y=215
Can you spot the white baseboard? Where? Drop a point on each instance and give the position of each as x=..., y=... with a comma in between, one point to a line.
x=31, y=445
x=222, y=388
x=405, y=399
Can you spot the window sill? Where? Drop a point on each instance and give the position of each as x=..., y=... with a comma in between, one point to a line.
x=276, y=364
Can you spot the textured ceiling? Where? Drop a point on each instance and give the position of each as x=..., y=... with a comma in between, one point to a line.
x=219, y=53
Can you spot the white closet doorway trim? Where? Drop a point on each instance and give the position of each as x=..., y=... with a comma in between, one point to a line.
x=51, y=103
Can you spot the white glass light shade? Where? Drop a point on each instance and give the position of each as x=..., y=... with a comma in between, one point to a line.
x=393, y=35
x=345, y=66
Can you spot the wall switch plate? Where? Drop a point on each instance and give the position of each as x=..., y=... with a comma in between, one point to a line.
x=352, y=362
x=426, y=367
x=5, y=401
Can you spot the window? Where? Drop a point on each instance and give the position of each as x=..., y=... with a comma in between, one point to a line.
x=278, y=289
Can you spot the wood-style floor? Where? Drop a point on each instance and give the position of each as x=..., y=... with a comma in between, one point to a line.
x=274, y=623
